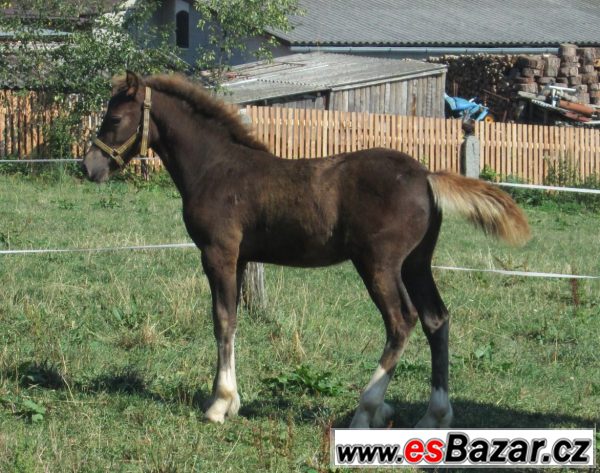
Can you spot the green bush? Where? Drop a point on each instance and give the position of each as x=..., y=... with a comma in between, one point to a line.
x=488, y=174
x=561, y=173
x=61, y=136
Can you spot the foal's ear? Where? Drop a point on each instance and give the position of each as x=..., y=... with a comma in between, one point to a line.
x=132, y=81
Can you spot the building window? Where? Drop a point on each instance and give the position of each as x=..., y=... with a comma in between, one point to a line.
x=182, y=29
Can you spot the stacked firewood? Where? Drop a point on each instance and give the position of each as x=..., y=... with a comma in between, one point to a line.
x=574, y=67
x=473, y=76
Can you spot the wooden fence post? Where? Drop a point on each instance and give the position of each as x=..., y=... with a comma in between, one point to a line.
x=254, y=295
x=253, y=287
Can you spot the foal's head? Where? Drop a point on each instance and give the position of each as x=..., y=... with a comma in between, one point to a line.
x=121, y=135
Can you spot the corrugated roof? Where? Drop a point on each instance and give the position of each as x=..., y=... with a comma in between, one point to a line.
x=445, y=23
x=314, y=72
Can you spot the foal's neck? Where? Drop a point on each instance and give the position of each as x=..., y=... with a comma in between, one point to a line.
x=189, y=145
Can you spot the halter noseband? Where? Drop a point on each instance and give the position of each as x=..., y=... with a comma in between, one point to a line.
x=117, y=153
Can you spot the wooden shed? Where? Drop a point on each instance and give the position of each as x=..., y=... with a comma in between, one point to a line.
x=342, y=82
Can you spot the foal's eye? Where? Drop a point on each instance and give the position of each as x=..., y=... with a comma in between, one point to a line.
x=114, y=120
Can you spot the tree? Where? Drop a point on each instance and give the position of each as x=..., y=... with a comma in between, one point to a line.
x=228, y=24
x=64, y=47
x=67, y=46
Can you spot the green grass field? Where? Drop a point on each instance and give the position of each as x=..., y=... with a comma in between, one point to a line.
x=106, y=358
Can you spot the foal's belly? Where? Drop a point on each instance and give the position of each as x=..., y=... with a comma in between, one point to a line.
x=305, y=260
x=299, y=249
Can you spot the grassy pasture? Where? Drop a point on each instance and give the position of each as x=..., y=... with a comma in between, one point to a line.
x=106, y=358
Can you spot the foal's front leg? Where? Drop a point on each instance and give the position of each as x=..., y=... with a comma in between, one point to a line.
x=221, y=269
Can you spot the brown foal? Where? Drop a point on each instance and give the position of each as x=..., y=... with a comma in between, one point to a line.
x=378, y=208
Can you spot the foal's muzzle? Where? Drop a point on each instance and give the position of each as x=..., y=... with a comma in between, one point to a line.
x=95, y=165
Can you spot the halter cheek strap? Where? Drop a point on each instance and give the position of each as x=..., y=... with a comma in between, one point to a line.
x=146, y=123
x=116, y=154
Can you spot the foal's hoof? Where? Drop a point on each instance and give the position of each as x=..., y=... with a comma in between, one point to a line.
x=363, y=419
x=382, y=415
x=214, y=417
x=234, y=406
x=360, y=420
x=431, y=421
x=219, y=408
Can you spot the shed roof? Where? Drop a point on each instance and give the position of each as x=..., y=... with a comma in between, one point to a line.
x=486, y=23
x=317, y=72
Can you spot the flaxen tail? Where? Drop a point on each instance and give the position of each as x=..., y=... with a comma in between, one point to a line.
x=483, y=204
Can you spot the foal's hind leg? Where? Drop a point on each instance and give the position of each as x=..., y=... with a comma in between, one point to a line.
x=434, y=320
x=224, y=274
x=399, y=315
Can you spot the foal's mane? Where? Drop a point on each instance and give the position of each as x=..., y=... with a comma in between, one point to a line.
x=203, y=103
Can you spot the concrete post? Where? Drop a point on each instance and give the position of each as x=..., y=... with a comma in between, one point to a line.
x=469, y=152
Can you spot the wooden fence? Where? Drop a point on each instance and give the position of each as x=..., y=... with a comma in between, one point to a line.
x=523, y=151
x=299, y=133
x=25, y=121
x=528, y=151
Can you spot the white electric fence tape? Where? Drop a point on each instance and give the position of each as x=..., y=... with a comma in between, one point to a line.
x=529, y=274
x=96, y=250
x=61, y=160
x=548, y=188
x=503, y=184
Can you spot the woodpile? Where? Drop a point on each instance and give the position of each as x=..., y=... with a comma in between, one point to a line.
x=574, y=67
x=473, y=76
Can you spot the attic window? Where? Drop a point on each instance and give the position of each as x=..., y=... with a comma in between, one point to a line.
x=182, y=29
